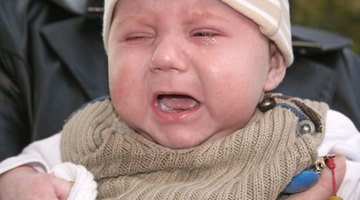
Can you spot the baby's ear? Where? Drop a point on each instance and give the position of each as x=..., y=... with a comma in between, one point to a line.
x=276, y=70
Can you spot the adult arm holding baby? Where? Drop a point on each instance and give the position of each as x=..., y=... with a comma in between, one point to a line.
x=50, y=64
x=11, y=187
x=32, y=185
x=191, y=115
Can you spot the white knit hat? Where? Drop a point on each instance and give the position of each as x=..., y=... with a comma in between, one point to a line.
x=272, y=16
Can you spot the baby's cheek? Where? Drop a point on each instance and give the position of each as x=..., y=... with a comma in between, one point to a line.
x=127, y=98
x=239, y=106
x=120, y=79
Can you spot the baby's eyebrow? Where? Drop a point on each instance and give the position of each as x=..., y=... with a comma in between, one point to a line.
x=140, y=19
x=187, y=18
x=200, y=16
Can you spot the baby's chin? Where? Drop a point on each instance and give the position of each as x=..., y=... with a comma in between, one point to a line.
x=181, y=144
x=183, y=141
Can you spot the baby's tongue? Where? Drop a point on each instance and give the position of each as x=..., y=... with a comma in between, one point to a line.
x=176, y=103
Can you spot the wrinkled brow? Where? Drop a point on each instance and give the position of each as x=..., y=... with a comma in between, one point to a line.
x=200, y=16
x=138, y=19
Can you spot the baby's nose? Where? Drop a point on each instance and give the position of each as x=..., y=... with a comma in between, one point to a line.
x=168, y=54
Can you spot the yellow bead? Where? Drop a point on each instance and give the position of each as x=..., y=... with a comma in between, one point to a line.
x=334, y=198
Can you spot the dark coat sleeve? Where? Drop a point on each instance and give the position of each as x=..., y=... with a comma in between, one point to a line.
x=325, y=69
x=15, y=100
x=51, y=62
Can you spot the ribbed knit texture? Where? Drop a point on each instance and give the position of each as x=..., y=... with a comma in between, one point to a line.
x=256, y=162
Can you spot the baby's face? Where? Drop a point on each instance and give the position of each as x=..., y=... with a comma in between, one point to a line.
x=185, y=72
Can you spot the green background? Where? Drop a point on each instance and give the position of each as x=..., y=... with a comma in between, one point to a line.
x=340, y=16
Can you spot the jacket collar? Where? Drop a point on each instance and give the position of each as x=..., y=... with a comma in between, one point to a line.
x=81, y=7
x=74, y=6
x=78, y=43
x=312, y=41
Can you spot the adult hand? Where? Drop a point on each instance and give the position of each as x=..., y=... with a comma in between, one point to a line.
x=24, y=183
x=323, y=188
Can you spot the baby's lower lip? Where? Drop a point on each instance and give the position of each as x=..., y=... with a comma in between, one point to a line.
x=175, y=108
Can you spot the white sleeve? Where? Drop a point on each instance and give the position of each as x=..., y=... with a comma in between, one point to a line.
x=42, y=155
x=343, y=138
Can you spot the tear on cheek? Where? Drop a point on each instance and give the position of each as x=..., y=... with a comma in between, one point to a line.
x=176, y=103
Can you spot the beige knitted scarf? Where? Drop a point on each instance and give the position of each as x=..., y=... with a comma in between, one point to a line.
x=256, y=162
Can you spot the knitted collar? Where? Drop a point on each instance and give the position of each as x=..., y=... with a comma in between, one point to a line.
x=256, y=162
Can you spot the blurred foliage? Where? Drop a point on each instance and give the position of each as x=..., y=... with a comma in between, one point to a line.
x=340, y=16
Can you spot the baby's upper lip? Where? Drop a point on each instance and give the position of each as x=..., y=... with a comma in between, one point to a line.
x=161, y=94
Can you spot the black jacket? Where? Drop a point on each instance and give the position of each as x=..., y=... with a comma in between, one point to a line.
x=325, y=69
x=52, y=61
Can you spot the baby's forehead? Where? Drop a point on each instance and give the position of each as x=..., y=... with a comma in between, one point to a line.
x=272, y=16
x=195, y=7
x=194, y=12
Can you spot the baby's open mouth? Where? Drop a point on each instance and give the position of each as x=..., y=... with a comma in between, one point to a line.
x=175, y=103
